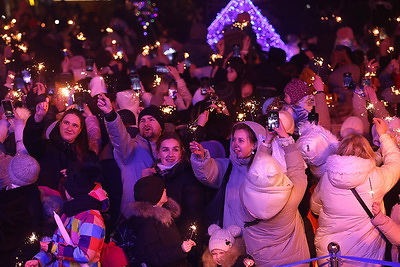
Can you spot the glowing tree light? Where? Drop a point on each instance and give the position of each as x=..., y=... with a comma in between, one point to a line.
x=146, y=13
x=266, y=35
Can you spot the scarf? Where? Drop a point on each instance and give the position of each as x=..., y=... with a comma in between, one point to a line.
x=81, y=204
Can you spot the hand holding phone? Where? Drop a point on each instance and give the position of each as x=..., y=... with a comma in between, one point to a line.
x=272, y=120
x=8, y=108
x=172, y=90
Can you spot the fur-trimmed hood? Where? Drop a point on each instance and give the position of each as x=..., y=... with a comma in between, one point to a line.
x=347, y=172
x=164, y=214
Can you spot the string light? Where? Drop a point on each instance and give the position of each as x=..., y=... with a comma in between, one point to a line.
x=266, y=35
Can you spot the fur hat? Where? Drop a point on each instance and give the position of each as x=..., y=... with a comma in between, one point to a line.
x=23, y=170
x=352, y=125
x=97, y=86
x=154, y=112
x=316, y=144
x=149, y=189
x=296, y=89
x=221, y=238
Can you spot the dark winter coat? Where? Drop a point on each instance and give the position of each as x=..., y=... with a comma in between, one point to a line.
x=158, y=242
x=20, y=215
x=183, y=187
x=53, y=154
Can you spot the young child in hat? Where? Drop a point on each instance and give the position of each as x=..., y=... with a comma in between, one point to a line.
x=226, y=248
x=150, y=221
x=82, y=220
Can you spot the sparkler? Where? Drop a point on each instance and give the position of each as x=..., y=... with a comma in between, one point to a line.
x=167, y=109
x=395, y=90
x=80, y=36
x=240, y=116
x=318, y=61
x=192, y=229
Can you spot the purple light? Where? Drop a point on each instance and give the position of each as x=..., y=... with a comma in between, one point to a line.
x=266, y=35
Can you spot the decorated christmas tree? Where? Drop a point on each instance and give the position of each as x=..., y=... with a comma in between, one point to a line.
x=266, y=35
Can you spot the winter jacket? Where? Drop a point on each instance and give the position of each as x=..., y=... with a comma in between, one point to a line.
x=341, y=217
x=211, y=172
x=20, y=215
x=273, y=198
x=183, y=187
x=86, y=230
x=132, y=156
x=157, y=241
x=390, y=227
x=53, y=154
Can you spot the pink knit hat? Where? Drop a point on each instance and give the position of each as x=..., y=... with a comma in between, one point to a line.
x=296, y=89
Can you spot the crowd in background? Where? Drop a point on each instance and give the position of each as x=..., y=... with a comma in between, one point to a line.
x=185, y=155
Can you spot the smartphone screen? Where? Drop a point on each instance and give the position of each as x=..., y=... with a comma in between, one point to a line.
x=313, y=117
x=366, y=82
x=19, y=82
x=89, y=64
x=161, y=69
x=26, y=76
x=172, y=90
x=8, y=108
x=135, y=82
x=272, y=120
x=204, y=85
x=79, y=100
x=236, y=50
x=347, y=79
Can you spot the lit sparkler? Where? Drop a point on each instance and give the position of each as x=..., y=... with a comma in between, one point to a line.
x=318, y=61
x=80, y=36
x=167, y=109
x=192, y=229
x=395, y=90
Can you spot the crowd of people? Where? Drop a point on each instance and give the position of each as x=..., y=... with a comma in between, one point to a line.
x=224, y=156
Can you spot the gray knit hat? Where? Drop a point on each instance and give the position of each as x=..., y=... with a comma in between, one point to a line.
x=23, y=170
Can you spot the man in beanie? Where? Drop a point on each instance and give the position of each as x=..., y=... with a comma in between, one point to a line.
x=20, y=208
x=151, y=220
x=132, y=154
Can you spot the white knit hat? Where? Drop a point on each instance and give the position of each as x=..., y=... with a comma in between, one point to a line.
x=352, y=125
x=23, y=170
x=97, y=86
x=221, y=238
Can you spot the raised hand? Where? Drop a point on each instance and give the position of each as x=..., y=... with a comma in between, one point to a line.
x=197, y=149
x=381, y=126
x=41, y=110
x=104, y=103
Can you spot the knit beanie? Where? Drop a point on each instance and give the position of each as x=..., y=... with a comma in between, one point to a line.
x=296, y=89
x=155, y=113
x=97, y=86
x=352, y=125
x=221, y=238
x=149, y=189
x=23, y=170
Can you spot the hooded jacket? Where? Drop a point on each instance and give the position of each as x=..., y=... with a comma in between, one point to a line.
x=86, y=230
x=273, y=198
x=132, y=156
x=341, y=217
x=211, y=172
x=157, y=241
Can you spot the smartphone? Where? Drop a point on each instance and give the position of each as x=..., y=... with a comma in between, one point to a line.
x=8, y=108
x=347, y=79
x=366, y=82
x=358, y=89
x=19, y=82
x=26, y=76
x=79, y=100
x=272, y=120
x=187, y=60
x=172, y=89
x=65, y=52
x=89, y=64
x=204, y=85
x=313, y=117
x=161, y=69
x=236, y=50
x=135, y=82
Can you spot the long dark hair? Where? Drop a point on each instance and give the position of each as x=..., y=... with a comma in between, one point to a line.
x=81, y=142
